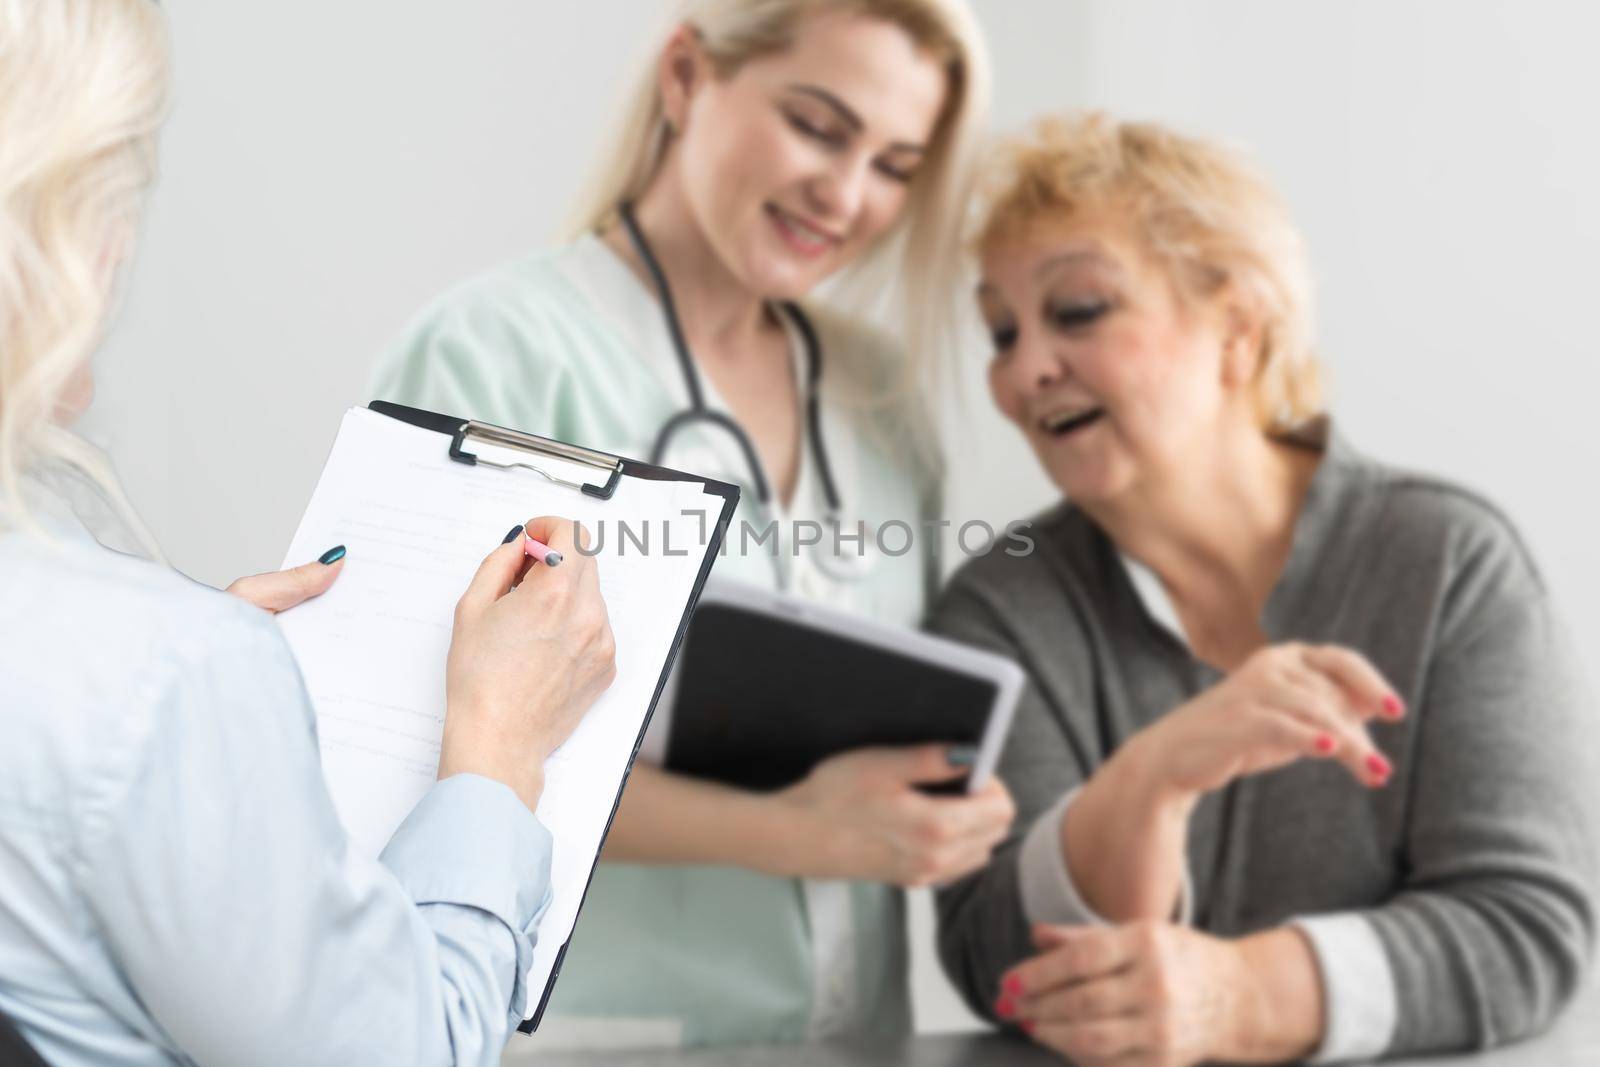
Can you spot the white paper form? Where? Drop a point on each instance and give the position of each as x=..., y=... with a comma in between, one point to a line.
x=372, y=649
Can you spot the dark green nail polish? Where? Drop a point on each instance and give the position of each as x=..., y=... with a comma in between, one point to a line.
x=333, y=555
x=512, y=536
x=962, y=755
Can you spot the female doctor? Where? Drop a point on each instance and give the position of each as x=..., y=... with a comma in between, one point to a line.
x=773, y=143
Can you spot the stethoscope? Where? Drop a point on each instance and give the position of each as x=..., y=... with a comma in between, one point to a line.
x=836, y=565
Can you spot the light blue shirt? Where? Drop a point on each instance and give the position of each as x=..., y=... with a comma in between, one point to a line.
x=175, y=886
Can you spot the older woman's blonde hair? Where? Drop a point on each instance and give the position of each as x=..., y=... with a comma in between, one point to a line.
x=915, y=269
x=82, y=91
x=1209, y=217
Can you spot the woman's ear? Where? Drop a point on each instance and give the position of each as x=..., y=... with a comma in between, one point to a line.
x=682, y=69
x=1242, y=337
x=76, y=396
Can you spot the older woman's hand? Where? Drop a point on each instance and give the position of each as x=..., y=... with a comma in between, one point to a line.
x=278, y=591
x=1152, y=994
x=1285, y=703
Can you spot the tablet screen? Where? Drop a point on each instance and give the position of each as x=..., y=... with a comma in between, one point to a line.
x=761, y=699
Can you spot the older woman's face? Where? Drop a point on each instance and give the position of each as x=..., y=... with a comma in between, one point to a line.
x=799, y=161
x=1111, y=379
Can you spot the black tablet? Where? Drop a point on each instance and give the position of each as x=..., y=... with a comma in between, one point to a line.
x=768, y=685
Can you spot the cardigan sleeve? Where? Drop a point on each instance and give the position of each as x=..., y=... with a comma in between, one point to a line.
x=983, y=925
x=1491, y=929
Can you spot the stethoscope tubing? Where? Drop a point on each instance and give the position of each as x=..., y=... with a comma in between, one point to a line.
x=697, y=410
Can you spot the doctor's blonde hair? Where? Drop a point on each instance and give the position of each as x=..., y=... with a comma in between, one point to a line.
x=914, y=272
x=83, y=86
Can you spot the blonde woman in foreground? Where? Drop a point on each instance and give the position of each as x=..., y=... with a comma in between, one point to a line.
x=769, y=145
x=174, y=883
x=1305, y=769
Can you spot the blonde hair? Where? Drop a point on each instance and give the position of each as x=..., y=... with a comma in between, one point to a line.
x=1205, y=213
x=914, y=271
x=82, y=91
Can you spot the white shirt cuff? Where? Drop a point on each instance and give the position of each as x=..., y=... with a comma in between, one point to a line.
x=1360, y=1003
x=1048, y=893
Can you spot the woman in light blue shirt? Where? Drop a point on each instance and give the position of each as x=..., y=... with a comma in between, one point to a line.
x=175, y=886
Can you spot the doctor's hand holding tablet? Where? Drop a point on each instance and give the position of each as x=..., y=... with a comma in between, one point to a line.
x=874, y=823
x=868, y=749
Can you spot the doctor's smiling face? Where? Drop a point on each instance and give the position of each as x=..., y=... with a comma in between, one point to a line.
x=796, y=162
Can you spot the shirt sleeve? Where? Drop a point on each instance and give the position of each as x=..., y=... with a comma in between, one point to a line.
x=221, y=879
x=1360, y=1003
x=1049, y=894
x=486, y=350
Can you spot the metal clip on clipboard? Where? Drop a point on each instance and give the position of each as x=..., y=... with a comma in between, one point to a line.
x=538, y=446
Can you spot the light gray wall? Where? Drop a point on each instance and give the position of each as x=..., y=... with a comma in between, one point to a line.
x=330, y=166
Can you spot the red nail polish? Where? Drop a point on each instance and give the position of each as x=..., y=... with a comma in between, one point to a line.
x=1012, y=985
x=1379, y=766
x=1005, y=1008
x=1326, y=744
x=1393, y=706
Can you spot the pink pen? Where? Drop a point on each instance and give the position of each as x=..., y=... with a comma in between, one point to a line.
x=541, y=551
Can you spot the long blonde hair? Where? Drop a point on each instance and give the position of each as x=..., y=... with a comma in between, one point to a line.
x=913, y=274
x=83, y=87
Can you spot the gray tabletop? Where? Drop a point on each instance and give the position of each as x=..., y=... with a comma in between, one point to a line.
x=1573, y=1042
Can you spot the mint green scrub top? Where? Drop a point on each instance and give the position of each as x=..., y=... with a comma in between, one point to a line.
x=571, y=344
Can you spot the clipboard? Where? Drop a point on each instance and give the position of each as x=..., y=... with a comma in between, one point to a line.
x=14, y=1049
x=535, y=467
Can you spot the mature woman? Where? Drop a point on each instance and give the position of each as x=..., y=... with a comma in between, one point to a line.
x=1304, y=768
x=771, y=145
x=174, y=882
